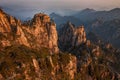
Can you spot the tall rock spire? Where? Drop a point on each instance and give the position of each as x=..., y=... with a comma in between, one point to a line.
x=39, y=32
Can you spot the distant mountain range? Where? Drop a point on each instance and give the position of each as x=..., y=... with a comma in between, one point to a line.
x=90, y=15
x=63, y=19
x=109, y=31
x=104, y=24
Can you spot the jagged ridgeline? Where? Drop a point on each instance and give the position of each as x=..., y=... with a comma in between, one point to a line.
x=34, y=51
x=36, y=33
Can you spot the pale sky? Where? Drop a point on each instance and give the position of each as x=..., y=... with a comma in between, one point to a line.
x=33, y=6
x=61, y=4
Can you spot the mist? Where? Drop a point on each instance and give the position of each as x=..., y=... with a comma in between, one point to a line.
x=27, y=8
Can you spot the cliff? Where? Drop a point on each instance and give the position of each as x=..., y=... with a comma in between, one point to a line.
x=20, y=62
x=94, y=61
x=39, y=32
x=71, y=36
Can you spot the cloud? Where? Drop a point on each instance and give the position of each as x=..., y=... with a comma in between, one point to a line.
x=29, y=7
x=59, y=4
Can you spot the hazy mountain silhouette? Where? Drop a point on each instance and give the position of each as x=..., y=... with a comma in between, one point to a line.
x=99, y=22
x=63, y=19
x=90, y=14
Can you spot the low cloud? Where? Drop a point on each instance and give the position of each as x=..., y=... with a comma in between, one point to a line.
x=29, y=7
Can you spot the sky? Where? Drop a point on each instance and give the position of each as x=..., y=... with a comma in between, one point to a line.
x=29, y=7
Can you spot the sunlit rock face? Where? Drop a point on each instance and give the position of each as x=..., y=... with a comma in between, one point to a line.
x=36, y=33
x=11, y=31
x=71, y=36
x=42, y=32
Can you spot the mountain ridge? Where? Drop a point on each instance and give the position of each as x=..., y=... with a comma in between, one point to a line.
x=96, y=19
x=34, y=50
x=40, y=24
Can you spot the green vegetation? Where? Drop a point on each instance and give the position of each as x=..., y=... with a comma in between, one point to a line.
x=17, y=60
x=65, y=58
x=2, y=36
x=55, y=59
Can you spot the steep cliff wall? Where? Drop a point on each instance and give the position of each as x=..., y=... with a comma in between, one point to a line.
x=71, y=36
x=39, y=32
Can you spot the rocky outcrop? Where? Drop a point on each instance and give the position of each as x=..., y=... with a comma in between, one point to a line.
x=71, y=36
x=4, y=25
x=36, y=33
x=43, y=31
x=20, y=62
x=91, y=58
x=71, y=68
x=11, y=31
